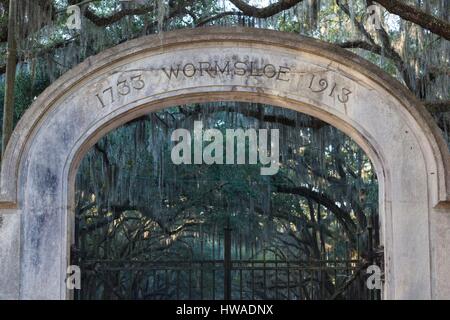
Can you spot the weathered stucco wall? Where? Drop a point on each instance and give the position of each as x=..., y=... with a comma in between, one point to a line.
x=37, y=177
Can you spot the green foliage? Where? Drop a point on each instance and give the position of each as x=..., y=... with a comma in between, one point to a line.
x=27, y=88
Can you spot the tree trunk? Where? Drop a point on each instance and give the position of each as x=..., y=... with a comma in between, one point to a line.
x=8, y=106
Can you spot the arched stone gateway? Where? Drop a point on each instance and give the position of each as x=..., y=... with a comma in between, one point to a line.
x=411, y=158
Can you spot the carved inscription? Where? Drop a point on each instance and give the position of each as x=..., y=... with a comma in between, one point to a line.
x=122, y=88
x=322, y=85
x=227, y=68
x=237, y=68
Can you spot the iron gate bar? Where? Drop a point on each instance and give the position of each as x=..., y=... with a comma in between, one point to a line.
x=304, y=262
x=228, y=264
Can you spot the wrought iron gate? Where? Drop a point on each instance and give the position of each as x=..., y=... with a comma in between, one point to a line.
x=234, y=271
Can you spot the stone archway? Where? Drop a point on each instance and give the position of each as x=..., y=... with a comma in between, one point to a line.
x=217, y=64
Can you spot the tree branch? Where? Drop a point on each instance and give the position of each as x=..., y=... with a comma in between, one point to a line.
x=438, y=106
x=260, y=115
x=360, y=44
x=39, y=53
x=423, y=19
x=265, y=12
x=323, y=200
x=205, y=20
x=101, y=21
